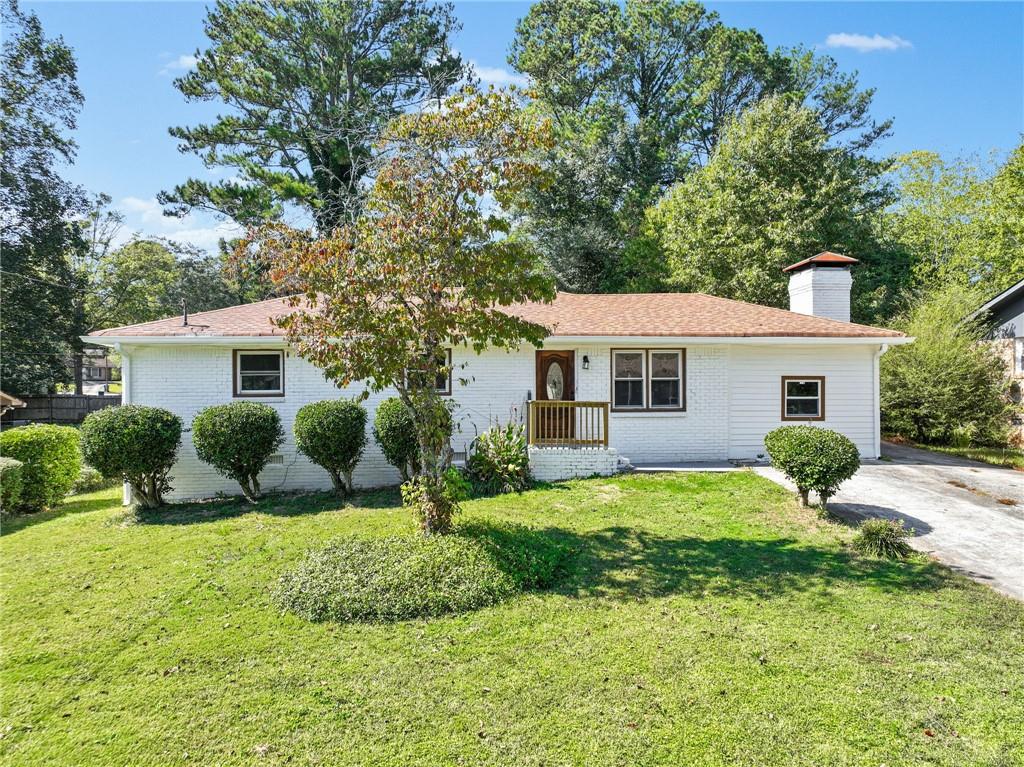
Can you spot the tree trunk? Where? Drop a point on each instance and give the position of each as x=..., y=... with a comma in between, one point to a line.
x=338, y=482
x=349, y=487
x=76, y=360
x=804, y=492
x=250, y=494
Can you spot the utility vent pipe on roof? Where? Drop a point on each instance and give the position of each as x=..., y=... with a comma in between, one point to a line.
x=820, y=286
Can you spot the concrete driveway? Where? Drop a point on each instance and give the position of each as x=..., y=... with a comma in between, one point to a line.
x=969, y=515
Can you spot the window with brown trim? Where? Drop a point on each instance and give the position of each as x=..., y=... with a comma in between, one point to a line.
x=258, y=372
x=648, y=379
x=803, y=398
x=443, y=379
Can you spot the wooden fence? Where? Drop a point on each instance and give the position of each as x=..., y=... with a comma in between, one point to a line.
x=564, y=423
x=58, y=408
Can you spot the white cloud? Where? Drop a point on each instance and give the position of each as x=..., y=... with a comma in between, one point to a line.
x=182, y=63
x=498, y=75
x=865, y=43
x=145, y=217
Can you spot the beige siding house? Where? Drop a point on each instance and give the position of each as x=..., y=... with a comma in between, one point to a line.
x=633, y=378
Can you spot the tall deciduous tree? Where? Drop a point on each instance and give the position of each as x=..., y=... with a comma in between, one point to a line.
x=958, y=222
x=773, y=192
x=428, y=267
x=309, y=85
x=640, y=94
x=39, y=105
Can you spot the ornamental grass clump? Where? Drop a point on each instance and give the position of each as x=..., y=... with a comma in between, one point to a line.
x=813, y=458
x=885, y=538
x=51, y=462
x=238, y=439
x=499, y=462
x=134, y=444
x=332, y=434
x=404, y=577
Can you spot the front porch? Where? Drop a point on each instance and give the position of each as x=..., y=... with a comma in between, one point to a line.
x=569, y=439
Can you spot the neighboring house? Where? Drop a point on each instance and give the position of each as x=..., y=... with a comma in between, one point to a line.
x=9, y=402
x=1006, y=313
x=98, y=371
x=650, y=378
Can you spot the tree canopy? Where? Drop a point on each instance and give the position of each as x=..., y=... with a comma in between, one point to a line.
x=39, y=105
x=640, y=95
x=427, y=267
x=309, y=86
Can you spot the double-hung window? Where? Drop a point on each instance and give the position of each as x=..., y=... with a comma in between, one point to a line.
x=628, y=380
x=259, y=373
x=666, y=380
x=803, y=399
x=442, y=373
x=648, y=379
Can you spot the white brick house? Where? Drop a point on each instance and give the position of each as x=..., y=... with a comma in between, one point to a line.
x=649, y=377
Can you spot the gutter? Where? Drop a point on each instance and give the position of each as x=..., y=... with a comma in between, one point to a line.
x=280, y=341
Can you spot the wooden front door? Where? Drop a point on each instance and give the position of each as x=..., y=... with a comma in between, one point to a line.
x=555, y=383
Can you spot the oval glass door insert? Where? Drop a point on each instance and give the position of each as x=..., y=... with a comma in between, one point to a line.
x=555, y=382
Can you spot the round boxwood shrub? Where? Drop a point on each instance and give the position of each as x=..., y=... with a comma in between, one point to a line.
x=51, y=463
x=134, y=444
x=10, y=484
x=398, y=578
x=395, y=432
x=813, y=458
x=882, y=538
x=238, y=439
x=332, y=434
x=499, y=462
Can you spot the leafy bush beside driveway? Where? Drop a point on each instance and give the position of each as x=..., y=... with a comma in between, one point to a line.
x=813, y=458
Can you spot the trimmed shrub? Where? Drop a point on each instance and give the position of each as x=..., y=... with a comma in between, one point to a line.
x=882, y=538
x=51, y=463
x=238, y=439
x=398, y=578
x=499, y=462
x=813, y=458
x=134, y=444
x=90, y=480
x=332, y=434
x=10, y=484
x=395, y=432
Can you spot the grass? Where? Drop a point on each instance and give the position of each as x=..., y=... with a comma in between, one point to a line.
x=999, y=456
x=701, y=619
x=1010, y=457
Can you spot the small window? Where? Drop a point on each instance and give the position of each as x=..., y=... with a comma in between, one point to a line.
x=443, y=378
x=628, y=380
x=803, y=399
x=666, y=380
x=259, y=373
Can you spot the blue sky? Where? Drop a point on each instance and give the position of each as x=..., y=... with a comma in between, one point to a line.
x=951, y=74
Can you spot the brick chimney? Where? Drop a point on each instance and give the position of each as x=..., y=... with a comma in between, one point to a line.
x=820, y=286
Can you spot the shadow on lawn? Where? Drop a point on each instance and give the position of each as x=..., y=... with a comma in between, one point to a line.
x=627, y=564
x=280, y=505
x=78, y=506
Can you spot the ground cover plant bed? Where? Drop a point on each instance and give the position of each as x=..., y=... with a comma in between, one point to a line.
x=697, y=619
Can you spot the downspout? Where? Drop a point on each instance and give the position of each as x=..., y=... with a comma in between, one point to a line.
x=876, y=371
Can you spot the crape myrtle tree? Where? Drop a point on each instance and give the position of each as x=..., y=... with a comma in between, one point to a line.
x=309, y=86
x=427, y=267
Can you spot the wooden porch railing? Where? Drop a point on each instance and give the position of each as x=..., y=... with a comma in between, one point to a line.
x=563, y=423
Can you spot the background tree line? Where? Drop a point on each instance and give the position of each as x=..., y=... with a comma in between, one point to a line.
x=687, y=155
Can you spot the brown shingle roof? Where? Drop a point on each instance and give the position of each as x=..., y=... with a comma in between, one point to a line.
x=570, y=314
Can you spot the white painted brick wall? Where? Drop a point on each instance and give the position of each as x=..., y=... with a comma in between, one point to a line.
x=821, y=292
x=733, y=400
x=550, y=464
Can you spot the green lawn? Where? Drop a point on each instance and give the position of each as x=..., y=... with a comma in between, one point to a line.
x=1000, y=456
x=703, y=620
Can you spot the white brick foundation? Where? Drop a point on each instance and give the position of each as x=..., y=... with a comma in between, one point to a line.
x=550, y=464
